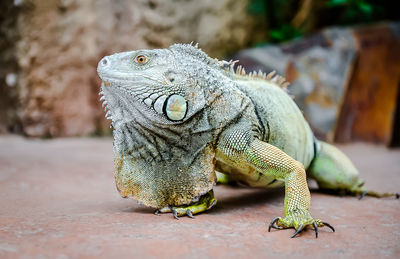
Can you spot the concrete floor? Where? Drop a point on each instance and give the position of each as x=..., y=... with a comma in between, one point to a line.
x=58, y=200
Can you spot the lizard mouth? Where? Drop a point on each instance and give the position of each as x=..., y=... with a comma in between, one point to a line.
x=174, y=107
x=118, y=77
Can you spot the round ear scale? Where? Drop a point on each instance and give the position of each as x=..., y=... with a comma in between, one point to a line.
x=175, y=107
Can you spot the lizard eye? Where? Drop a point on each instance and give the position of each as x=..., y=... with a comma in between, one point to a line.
x=142, y=59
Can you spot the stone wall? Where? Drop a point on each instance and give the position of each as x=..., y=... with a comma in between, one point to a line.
x=57, y=45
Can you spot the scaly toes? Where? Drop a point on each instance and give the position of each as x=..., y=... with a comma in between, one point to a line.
x=320, y=223
x=298, y=230
x=189, y=213
x=205, y=202
x=299, y=225
x=174, y=212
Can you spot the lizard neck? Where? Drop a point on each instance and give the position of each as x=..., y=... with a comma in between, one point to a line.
x=163, y=166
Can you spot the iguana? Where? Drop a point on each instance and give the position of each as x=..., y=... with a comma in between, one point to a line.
x=179, y=116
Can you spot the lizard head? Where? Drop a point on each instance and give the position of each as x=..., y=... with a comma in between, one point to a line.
x=157, y=84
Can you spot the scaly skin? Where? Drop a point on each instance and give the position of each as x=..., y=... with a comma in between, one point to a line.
x=238, y=148
x=179, y=116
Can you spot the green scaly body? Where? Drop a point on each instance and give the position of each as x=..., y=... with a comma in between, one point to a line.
x=180, y=116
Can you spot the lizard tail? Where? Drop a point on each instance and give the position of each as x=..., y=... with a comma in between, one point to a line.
x=335, y=173
x=376, y=194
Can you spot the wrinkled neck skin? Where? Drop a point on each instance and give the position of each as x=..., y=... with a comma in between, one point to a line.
x=159, y=162
x=136, y=125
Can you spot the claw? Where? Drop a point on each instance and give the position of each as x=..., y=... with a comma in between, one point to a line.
x=298, y=230
x=174, y=212
x=316, y=229
x=212, y=204
x=275, y=227
x=189, y=213
x=272, y=224
x=329, y=226
x=363, y=195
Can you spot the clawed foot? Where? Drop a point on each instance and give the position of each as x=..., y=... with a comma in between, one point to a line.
x=205, y=202
x=299, y=223
x=174, y=212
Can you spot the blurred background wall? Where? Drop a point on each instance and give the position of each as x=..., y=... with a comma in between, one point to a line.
x=345, y=79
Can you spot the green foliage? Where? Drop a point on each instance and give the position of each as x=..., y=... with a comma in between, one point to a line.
x=279, y=14
x=332, y=3
x=284, y=32
x=257, y=7
x=354, y=11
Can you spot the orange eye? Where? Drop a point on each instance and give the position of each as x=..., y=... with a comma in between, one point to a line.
x=141, y=59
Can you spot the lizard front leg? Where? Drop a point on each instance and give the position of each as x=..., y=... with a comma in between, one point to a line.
x=239, y=148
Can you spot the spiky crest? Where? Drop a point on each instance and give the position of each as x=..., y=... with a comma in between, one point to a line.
x=270, y=77
x=196, y=52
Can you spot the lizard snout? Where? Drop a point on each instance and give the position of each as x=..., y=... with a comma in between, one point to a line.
x=102, y=66
x=104, y=62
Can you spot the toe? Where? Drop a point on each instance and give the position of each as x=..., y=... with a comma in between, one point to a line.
x=189, y=213
x=174, y=212
x=301, y=227
x=272, y=224
x=315, y=228
x=329, y=226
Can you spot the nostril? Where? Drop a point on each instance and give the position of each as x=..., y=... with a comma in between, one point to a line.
x=105, y=61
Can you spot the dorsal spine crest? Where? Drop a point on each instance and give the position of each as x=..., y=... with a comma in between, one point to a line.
x=196, y=52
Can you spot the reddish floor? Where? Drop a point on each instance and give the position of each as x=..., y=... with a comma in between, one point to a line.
x=58, y=200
